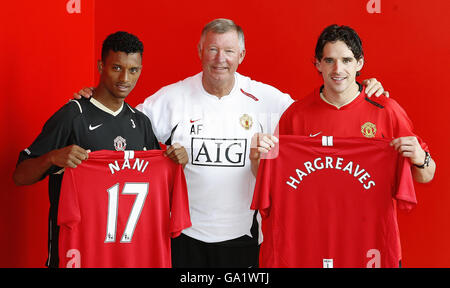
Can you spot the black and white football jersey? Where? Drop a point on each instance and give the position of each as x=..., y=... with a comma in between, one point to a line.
x=90, y=125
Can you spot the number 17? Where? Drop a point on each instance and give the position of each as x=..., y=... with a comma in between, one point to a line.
x=139, y=189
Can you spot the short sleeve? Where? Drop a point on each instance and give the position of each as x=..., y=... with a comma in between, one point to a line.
x=402, y=124
x=272, y=102
x=283, y=127
x=282, y=103
x=54, y=135
x=291, y=122
x=163, y=110
x=150, y=138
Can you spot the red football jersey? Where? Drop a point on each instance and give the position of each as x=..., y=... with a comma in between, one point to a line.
x=363, y=117
x=119, y=209
x=332, y=206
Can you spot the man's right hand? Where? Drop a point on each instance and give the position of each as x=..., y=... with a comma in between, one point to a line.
x=85, y=92
x=31, y=170
x=70, y=156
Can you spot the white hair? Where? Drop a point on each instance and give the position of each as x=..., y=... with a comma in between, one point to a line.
x=221, y=26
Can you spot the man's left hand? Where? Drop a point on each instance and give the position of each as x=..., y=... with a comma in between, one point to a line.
x=409, y=147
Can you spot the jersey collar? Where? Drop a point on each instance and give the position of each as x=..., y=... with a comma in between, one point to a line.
x=347, y=104
x=225, y=97
x=104, y=108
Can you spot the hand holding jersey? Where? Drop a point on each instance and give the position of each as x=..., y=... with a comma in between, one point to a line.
x=340, y=108
x=264, y=143
x=326, y=203
x=104, y=122
x=261, y=143
x=219, y=175
x=410, y=148
x=424, y=165
x=177, y=154
x=119, y=73
x=120, y=209
x=339, y=61
x=69, y=156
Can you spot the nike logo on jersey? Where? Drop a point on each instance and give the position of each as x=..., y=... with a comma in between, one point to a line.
x=94, y=127
x=311, y=135
x=192, y=121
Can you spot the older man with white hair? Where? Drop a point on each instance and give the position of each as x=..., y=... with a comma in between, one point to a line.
x=214, y=115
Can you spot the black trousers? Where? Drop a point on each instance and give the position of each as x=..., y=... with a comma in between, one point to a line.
x=242, y=252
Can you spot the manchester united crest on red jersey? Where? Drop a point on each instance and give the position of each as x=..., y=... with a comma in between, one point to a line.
x=369, y=129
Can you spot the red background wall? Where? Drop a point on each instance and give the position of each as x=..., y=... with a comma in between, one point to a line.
x=49, y=54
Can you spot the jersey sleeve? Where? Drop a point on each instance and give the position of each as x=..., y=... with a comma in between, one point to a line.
x=261, y=196
x=402, y=124
x=292, y=122
x=283, y=127
x=404, y=192
x=273, y=102
x=164, y=110
x=69, y=211
x=282, y=102
x=179, y=203
x=150, y=138
x=54, y=135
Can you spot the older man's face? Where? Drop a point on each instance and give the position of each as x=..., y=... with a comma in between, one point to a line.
x=220, y=56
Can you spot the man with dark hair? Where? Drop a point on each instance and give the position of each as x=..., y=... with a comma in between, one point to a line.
x=215, y=114
x=341, y=108
x=123, y=42
x=105, y=121
x=349, y=225
x=345, y=34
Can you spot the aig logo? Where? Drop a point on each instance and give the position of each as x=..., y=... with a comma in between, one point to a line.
x=218, y=152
